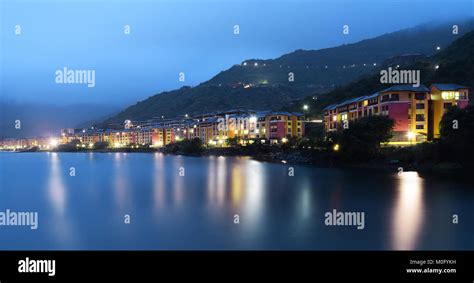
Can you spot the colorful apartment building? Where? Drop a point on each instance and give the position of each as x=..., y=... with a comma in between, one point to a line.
x=417, y=111
x=212, y=128
x=25, y=143
x=442, y=97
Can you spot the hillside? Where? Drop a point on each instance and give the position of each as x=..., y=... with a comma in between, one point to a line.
x=325, y=67
x=315, y=72
x=456, y=65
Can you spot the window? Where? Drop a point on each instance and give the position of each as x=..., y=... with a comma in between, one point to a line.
x=376, y=110
x=420, y=106
x=450, y=95
x=385, y=98
x=420, y=96
x=395, y=97
x=420, y=117
x=420, y=127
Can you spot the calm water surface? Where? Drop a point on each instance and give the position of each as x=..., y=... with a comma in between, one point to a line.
x=169, y=211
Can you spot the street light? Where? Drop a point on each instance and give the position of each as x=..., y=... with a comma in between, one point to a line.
x=305, y=107
x=53, y=142
x=411, y=136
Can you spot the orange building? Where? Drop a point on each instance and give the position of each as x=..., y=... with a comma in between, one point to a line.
x=417, y=111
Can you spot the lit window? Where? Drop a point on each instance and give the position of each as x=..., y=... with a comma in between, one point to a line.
x=446, y=95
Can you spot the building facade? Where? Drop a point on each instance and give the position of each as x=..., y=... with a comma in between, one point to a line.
x=212, y=128
x=417, y=111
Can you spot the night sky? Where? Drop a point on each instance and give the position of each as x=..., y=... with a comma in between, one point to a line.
x=169, y=37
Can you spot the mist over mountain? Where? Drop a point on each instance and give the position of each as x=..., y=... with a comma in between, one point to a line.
x=45, y=119
x=341, y=64
x=266, y=84
x=453, y=64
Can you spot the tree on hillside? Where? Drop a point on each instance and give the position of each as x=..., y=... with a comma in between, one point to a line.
x=361, y=140
x=457, y=134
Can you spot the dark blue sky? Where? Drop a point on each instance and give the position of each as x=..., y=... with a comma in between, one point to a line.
x=169, y=37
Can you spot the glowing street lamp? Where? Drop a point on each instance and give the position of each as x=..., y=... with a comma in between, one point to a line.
x=305, y=107
x=53, y=142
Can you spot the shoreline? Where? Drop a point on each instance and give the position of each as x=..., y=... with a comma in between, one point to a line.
x=296, y=157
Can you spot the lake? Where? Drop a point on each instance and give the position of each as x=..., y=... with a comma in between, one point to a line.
x=152, y=201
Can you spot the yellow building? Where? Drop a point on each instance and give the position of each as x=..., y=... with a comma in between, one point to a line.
x=416, y=111
x=444, y=96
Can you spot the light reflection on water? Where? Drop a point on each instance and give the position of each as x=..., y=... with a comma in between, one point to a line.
x=196, y=211
x=159, y=191
x=121, y=185
x=407, y=217
x=63, y=227
x=255, y=193
x=57, y=192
